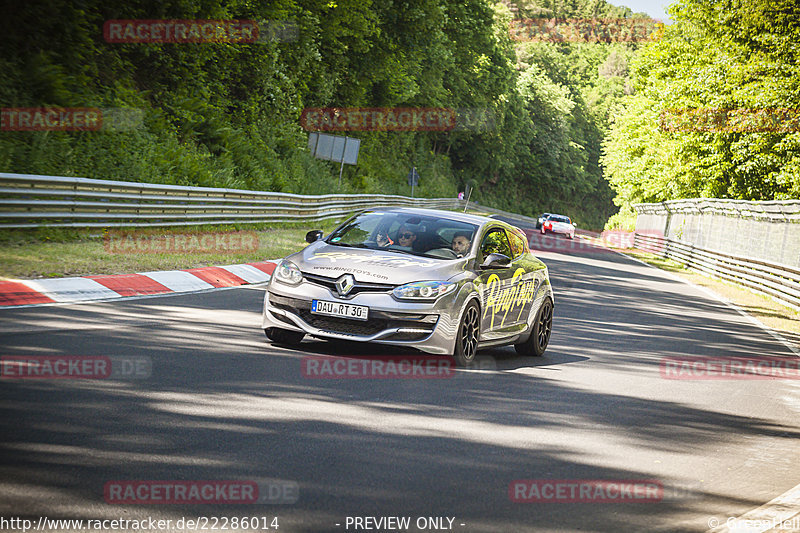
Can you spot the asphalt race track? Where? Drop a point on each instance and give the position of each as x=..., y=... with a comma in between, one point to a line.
x=219, y=402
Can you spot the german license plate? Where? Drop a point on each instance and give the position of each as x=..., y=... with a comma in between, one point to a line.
x=357, y=312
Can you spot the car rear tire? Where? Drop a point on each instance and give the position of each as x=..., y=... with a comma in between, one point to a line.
x=540, y=336
x=284, y=336
x=467, y=336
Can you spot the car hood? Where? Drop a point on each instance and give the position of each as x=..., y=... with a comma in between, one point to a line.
x=373, y=266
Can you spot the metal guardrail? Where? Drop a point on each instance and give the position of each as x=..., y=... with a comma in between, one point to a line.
x=492, y=211
x=31, y=201
x=781, y=282
x=772, y=210
x=766, y=231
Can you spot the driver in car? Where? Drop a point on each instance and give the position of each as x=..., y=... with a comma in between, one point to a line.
x=460, y=244
x=406, y=237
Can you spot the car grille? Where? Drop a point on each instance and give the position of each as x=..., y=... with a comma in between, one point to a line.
x=360, y=286
x=343, y=325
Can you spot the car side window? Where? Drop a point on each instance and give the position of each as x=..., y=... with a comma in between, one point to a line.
x=495, y=242
x=517, y=245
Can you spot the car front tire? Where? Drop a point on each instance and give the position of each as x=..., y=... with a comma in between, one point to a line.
x=540, y=336
x=467, y=336
x=284, y=336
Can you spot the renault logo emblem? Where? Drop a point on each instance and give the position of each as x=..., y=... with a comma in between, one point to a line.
x=345, y=284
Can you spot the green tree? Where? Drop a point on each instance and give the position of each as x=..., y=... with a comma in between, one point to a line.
x=719, y=55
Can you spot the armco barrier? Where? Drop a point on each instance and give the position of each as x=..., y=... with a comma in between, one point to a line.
x=782, y=282
x=29, y=201
x=768, y=231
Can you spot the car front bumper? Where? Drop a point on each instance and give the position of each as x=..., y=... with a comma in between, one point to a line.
x=429, y=327
x=563, y=230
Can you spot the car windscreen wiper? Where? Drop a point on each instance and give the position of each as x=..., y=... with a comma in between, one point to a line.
x=346, y=245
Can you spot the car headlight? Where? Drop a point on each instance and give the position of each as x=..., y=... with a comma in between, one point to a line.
x=287, y=272
x=423, y=290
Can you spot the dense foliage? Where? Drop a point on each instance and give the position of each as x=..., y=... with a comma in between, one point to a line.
x=228, y=114
x=737, y=62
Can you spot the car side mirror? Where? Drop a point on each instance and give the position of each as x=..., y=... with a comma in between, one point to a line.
x=313, y=236
x=495, y=261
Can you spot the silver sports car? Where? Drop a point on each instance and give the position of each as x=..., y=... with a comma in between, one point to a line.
x=442, y=282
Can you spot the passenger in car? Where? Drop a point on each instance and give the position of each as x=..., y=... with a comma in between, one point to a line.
x=383, y=239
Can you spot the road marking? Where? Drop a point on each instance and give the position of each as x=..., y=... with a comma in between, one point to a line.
x=102, y=288
x=131, y=284
x=248, y=273
x=17, y=293
x=218, y=277
x=71, y=289
x=178, y=280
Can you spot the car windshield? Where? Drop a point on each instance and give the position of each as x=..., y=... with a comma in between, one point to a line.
x=428, y=236
x=559, y=218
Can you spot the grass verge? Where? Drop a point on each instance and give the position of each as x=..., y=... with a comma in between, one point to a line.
x=51, y=254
